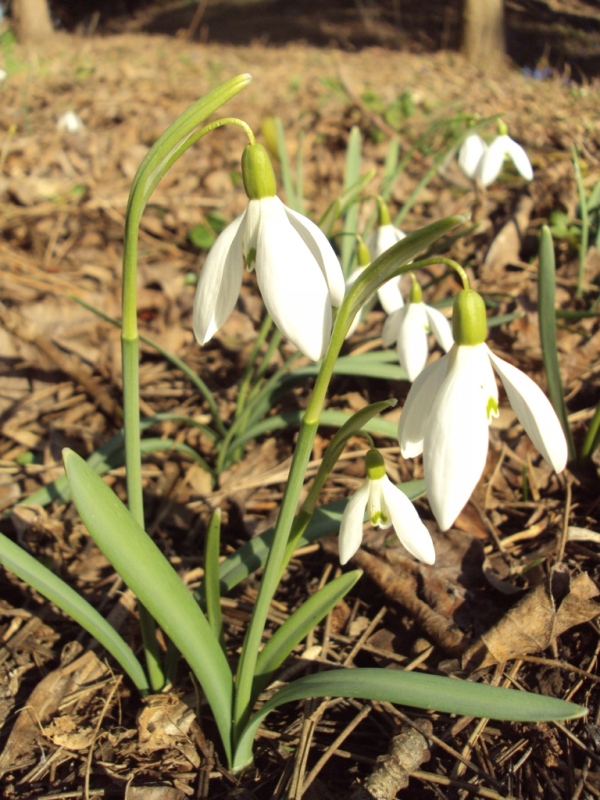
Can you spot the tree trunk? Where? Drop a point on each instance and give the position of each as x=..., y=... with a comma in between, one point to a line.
x=31, y=20
x=483, y=33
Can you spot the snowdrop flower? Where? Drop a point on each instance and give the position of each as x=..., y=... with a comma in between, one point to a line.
x=450, y=406
x=470, y=154
x=3, y=74
x=70, y=122
x=498, y=151
x=298, y=273
x=386, y=506
x=409, y=327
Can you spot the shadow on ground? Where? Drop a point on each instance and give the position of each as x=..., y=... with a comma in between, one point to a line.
x=536, y=36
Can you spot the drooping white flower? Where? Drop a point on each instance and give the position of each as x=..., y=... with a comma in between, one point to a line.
x=449, y=408
x=470, y=154
x=409, y=327
x=386, y=506
x=298, y=273
x=502, y=148
x=70, y=122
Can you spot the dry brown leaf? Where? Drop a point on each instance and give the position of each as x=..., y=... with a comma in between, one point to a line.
x=164, y=722
x=532, y=625
x=42, y=703
x=506, y=247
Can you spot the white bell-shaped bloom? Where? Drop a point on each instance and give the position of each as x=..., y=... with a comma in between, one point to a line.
x=298, y=273
x=447, y=415
x=409, y=327
x=386, y=506
x=502, y=148
x=470, y=154
x=70, y=122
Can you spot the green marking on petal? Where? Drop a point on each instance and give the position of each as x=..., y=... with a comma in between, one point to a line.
x=250, y=259
x=378, y=517
x=491, y=408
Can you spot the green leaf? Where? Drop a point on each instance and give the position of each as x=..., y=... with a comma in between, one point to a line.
x=333, y=419
x=211, y=576
x=299, y=625
x=202, y=237
x=44, y=581
x=381, y=364
x=112, y=455
x=547, y=323
x=432, y=692
x=155, y=583
x=351, y=217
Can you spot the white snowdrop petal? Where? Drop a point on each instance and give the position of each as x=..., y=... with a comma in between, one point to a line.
x=406, y=522
x=457, y=437
x=382, y=238
x=390, y=296
x=323, y=253
x=412, y=347
x=417, y=409
x=351, y=526
x=491, y=161
x=389, y=335
x=440, y=327
x=470, y=154
x=535, y=413
x=291, y=282
x=219, y=282
x=520, y=159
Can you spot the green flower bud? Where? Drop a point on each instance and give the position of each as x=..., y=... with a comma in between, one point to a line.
x=257, y=172
x=383, y=212
x=416, y=293
x=469, y=322
x=375, y=465
x=363, y=256
x=502, y=128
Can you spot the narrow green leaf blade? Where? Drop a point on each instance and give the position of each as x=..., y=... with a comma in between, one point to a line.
x=297, y=626
x=432, y=692
x=155, y=583
x=44, y=581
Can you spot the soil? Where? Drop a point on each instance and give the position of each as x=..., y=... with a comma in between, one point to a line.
x=72, y=725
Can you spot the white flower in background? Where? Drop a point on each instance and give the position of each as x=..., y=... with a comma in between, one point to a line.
x=409, y=327
x=386, y=506
x=470, y=154
x=450, y=405
x=298, y=273
x=3, y=74
x=70, y=122
x=502, y=148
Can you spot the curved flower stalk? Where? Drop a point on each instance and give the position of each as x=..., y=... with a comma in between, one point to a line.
x=298, y=273
x=470, y=154
x=409, y=327
x=386, y=506
x=451, y=404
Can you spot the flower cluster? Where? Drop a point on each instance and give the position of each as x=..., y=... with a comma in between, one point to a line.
x=451, y=402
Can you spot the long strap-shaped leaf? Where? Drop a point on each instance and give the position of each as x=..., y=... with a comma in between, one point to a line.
x=43, y=580
x=298, y=625
x=155, y=583
x=433, y=692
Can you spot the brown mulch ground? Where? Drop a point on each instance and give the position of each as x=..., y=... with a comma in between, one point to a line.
x=62, y=211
